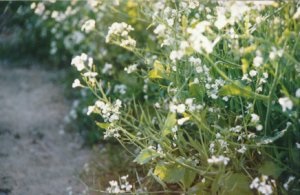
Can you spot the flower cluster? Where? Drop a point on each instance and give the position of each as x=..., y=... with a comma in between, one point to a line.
x=109, y=112
x=121, y=187
x=263, y=185
x=119, y=33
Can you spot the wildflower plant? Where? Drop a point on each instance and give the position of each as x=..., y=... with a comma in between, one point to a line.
x=217, y=110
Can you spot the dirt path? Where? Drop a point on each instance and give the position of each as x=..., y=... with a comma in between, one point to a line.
x=36, y=156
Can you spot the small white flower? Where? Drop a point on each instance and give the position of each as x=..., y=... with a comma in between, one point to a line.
x=242, y=150
x=88, y=26
x=297, y=145
x=257, y=61
x=297, y=14
x=181, y=108
x=297, y=93
x=263, y=186
x=286, y=184
x=218, y=160
x=259, y=127
x=254, y=118
x=130, y=69
x=182, y=120
x=253, y=73
x=286, y=103
x=90, y=74
x=76, y=83
x=160, y=29
x=90, y=110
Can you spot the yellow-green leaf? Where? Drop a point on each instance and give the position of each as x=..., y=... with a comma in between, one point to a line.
x=169, y=173
x=169, y=124
x=102, y=125
x=158, y=70
x=145, y=156
x=235, y=89
x=245, y=65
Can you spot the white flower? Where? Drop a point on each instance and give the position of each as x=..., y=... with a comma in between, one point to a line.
x=297, y=93
x=40, y=8
x=79, y=61
x=88, y=26
x=182, y=120
x=257, y=61
x=263, y=186
x=286, y=184
x=297, y=145
x=76, y=83
x=130, y=69
x=218, y=160
x=254, y=118
x=259, y=127
x=107, y=69
x=120, y=31
x=297, y=14
x=181, y=108
x=242, y=150
x=90, y=110
x=253, y=73
x=221, y=22
x=160, y=29
x=286, y=103
x=90, y=74
x=176, y=55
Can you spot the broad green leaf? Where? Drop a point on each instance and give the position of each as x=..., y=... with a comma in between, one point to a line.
x=189, y=177
x=237, y=183
x=270, y=168
x=235, y=89
x=145, y=156
x=197, y=91
x=169, y=124
x=102, y=125
x=169, y=173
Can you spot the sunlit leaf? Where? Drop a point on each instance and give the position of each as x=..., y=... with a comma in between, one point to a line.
x=157, y=71
x=102, y=125
x=169, y=124
x=169, y=173
x=235, y=89
x=145, y=156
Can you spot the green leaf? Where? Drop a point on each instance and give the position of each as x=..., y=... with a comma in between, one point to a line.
x=102, y=125
x=169, y=124
x=245, y=65
x=271, y=169
x=189, y=177
x=145, y=156
x=236, y=89
x=197, y=91
x=237, y=183
x=169, y=173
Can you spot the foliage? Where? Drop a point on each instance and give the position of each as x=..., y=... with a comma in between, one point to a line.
x=208, y=93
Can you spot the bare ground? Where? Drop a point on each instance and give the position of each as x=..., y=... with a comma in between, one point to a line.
x=36, y=156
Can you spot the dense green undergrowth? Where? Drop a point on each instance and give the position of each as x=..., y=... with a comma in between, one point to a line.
x=203, y=95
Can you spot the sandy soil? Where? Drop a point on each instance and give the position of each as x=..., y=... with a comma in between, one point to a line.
x=36, y=156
